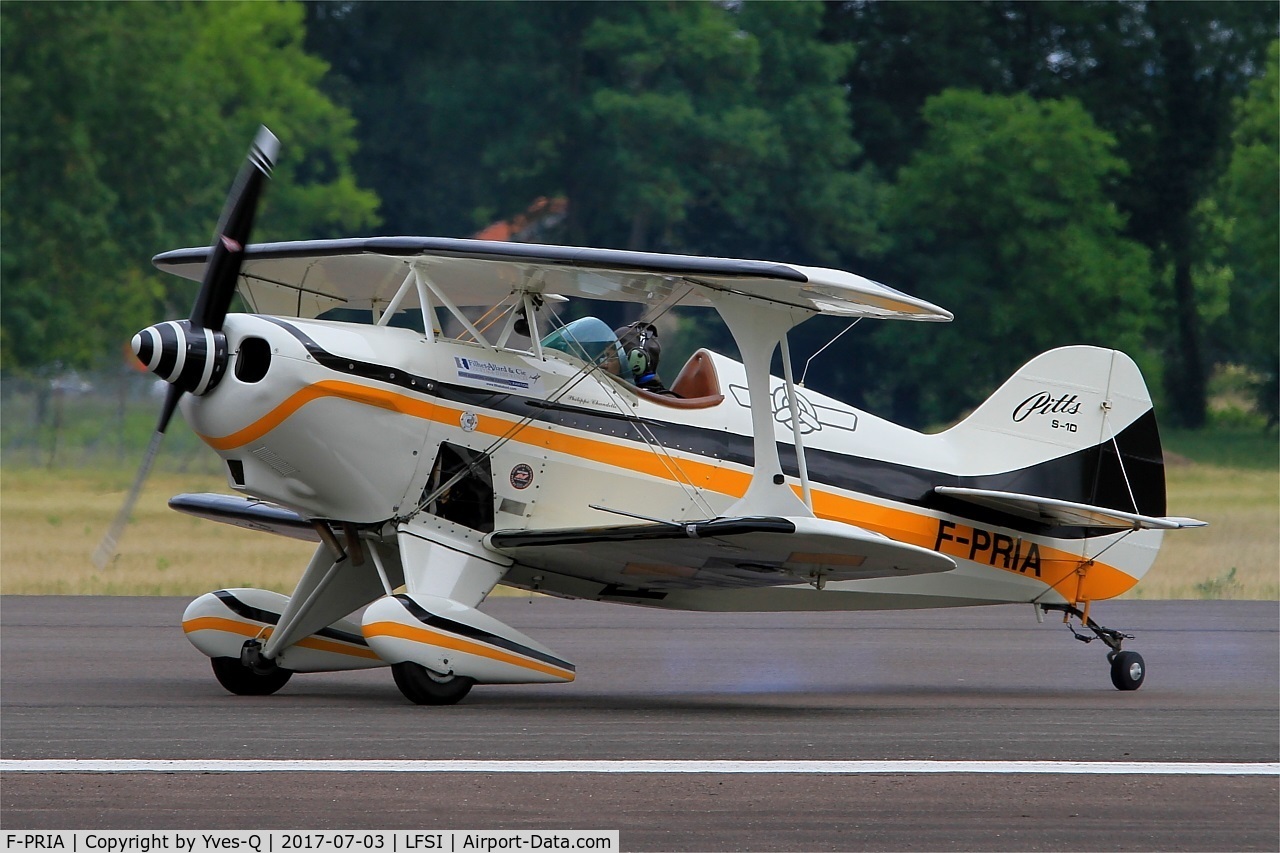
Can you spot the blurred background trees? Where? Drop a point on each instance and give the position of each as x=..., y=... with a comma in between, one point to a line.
x=122, y=127
x=1077, y=172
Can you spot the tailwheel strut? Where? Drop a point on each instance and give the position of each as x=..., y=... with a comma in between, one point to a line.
x=1128, y=670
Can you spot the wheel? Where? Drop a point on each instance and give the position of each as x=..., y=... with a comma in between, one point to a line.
x=425, y=687
x=243, y=681
x=1127, y=670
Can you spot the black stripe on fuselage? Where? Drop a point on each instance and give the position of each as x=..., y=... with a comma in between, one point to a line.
x=1094, y=475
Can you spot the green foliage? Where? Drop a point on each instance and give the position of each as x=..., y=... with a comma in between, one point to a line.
x=1251, y=197
x=1002, y=214
x=801, y=132
x=693, y=127
x=123, y=125
x=1160, y=77
x=807, y=172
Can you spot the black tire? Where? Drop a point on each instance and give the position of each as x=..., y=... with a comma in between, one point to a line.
x=1127, y=670
x=422, y=686
x=243, y=681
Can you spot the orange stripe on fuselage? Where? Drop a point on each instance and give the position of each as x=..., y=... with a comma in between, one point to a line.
x=320, y=390
x=1075, y=579
x=1061, y=570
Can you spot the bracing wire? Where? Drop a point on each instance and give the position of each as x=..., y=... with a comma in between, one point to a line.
x=805, y=372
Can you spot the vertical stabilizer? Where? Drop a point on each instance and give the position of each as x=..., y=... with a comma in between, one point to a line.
x=1073, y=424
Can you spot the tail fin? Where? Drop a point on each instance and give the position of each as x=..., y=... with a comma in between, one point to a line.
x=1073, y=424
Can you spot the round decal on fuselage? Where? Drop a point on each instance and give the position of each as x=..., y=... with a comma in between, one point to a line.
x=521, y=476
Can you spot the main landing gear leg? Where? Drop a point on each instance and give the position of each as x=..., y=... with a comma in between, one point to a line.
x=1127, y=668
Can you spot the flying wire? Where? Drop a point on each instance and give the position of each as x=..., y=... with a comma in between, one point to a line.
x=805, y=372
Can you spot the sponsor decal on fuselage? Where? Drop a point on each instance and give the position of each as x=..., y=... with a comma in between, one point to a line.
x=521, y=476
x=492, y=374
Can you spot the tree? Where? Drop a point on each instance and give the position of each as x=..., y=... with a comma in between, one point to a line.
x=123, y=125
x=1175, y=122
x=695, y=127
x=805, y=198
x=1002, y=215
x=1249, y=190
x=1160, y=76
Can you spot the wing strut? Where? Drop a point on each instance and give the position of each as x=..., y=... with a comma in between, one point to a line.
x=759, y=327
x=805, y=493
x=423, y=280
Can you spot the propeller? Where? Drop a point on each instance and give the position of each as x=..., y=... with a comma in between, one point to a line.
x=191, y=354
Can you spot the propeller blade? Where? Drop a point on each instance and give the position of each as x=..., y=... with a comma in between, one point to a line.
x=172, y=395
x=106, y=550
x=209, y=312
x=232, y=233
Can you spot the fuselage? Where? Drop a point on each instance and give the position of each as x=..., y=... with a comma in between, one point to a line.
x=358, y=423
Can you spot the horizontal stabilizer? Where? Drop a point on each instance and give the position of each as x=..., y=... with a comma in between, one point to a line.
x=745, y=552
x=247, y=513
x=1065, y=513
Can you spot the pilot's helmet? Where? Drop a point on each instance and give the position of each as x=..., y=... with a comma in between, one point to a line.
x=643, y=351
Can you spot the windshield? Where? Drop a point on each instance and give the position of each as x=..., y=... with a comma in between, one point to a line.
x=591, y=340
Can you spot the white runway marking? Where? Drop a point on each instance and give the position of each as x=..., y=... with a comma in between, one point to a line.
x=1128, y=768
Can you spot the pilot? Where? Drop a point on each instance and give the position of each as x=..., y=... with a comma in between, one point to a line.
x=643, y=351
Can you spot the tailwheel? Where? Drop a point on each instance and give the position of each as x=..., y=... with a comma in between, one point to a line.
x=244, y=680
x=423, y=686
x=1127, y=670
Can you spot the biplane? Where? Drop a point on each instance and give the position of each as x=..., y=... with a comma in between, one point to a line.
x=423, y=411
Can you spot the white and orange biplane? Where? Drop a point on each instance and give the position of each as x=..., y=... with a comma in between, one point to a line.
x=432, y=455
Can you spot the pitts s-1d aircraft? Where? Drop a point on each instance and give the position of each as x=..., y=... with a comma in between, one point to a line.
x=429, y=467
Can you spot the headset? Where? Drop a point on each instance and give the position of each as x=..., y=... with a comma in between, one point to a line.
x=643, y=365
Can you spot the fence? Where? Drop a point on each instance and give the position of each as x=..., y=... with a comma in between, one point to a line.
x=104, y=419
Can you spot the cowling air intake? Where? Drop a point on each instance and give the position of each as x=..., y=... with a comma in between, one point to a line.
x=192, y=359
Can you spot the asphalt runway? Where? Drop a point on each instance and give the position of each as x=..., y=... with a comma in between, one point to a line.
x=113, y=678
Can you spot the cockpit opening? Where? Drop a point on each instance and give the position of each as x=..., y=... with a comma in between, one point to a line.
x=632, y=355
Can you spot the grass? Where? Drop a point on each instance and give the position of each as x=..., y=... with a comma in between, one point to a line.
x=51, y=521
x=1247, y=448
x=1238, y=554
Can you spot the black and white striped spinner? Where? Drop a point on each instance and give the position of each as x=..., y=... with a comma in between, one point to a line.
x=194, y=359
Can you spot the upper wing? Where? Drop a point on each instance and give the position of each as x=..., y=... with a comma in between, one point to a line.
x=726, y=552
x=1065, y=513
x=307, y=278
